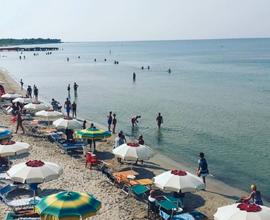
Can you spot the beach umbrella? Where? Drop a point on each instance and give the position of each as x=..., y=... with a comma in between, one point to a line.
x=242, y=211
x=49, y=114
x=34, y=171
x=22, y=100
x=178, y=180
x=93, y=133
x=4, y=133
x=64, y=123
x=12, y=148
x=68, y=206
x=36, y=106
x=133, y=151
x=11, y=96
x=2, y=83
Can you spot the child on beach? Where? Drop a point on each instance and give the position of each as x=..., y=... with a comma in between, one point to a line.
x=203, y=167
x=254, y=197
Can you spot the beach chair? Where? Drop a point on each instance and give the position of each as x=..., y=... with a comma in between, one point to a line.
x=91, y=159
x=178, y=201
x=68, y=146
x=183, y=216
x=22, y=203
x=6, y=190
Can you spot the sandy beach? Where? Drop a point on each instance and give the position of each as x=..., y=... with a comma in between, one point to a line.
x=115, y=204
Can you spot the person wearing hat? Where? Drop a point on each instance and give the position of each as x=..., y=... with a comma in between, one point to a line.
x=254, y=197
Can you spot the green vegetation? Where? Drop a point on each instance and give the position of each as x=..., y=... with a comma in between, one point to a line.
x=12, y=42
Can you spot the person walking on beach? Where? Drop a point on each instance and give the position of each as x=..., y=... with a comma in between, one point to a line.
x=67, y=106
x=36, y=93
x=19, y=122
x=134, y=77
x=21, y=82
x=159, y=120
x=74, y=109
x=68, y=89
x=202, y=170
x=114, y=122
x=254, y=197
x=75, y=87
x=29, y=91
x=110, y=119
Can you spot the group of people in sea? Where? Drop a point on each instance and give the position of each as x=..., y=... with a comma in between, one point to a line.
x=75, y=88
x=112, y=121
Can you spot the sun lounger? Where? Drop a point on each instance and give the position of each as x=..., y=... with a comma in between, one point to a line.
x=19, y=203
x=5, y=190
x=22, y=215
x=184, y=216
x=4, y=176
x=68, y=146
x=179, y=202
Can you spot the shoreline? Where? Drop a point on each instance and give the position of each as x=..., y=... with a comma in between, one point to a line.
x=216, y=195
x=166, y=162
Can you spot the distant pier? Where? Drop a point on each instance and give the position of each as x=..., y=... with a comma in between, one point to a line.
x=20, y=49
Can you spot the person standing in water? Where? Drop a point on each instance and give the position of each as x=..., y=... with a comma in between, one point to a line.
x=169, y=70
x=114, y=122
x=67, y=106
x=68, y=89
x=134, y=120
x=202, y=170
x=75, y=87
x=74, y=110
x=21, y=82
x=36, y=93
x=134, y=77
x=29, y=91
x=110, y=119
x=159, y=120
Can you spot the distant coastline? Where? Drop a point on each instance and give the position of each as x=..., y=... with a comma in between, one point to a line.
x=26, y=41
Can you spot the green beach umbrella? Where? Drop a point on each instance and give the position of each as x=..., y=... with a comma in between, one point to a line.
x=93, y=133
x=68, y=206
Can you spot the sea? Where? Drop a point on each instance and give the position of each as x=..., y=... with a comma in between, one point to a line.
x=216, y=99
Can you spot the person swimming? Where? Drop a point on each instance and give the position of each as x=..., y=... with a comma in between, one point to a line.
x=169, y=70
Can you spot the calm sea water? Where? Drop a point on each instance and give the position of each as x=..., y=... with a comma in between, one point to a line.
x=216, y=100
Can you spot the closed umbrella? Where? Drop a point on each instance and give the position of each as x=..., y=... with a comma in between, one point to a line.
x=133, y=151
x=178, y=180
x=36, y=106
x=242, y=212
x=66, y=123
x=68, y=206
x=12, y=148
x=34, y=171
x=22, y=100
x=11, y=96
x=4, y=133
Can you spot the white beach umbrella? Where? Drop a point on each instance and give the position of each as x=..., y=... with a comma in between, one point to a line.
x=133, y=151
x=22, y=100
x=242, y=212
x=49, y=114
x=11, y=96
x=34, y=171
x=63, y=123
x=176, y=180
x=36, y=106
x=11, y=148
x=9, y=109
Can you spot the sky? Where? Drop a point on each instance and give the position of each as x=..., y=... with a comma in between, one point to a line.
x=132, y=20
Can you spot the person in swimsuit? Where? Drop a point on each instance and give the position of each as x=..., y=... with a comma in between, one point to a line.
x=159, y=120
x=110, y=119
x=254, y=197
x=202, y=170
